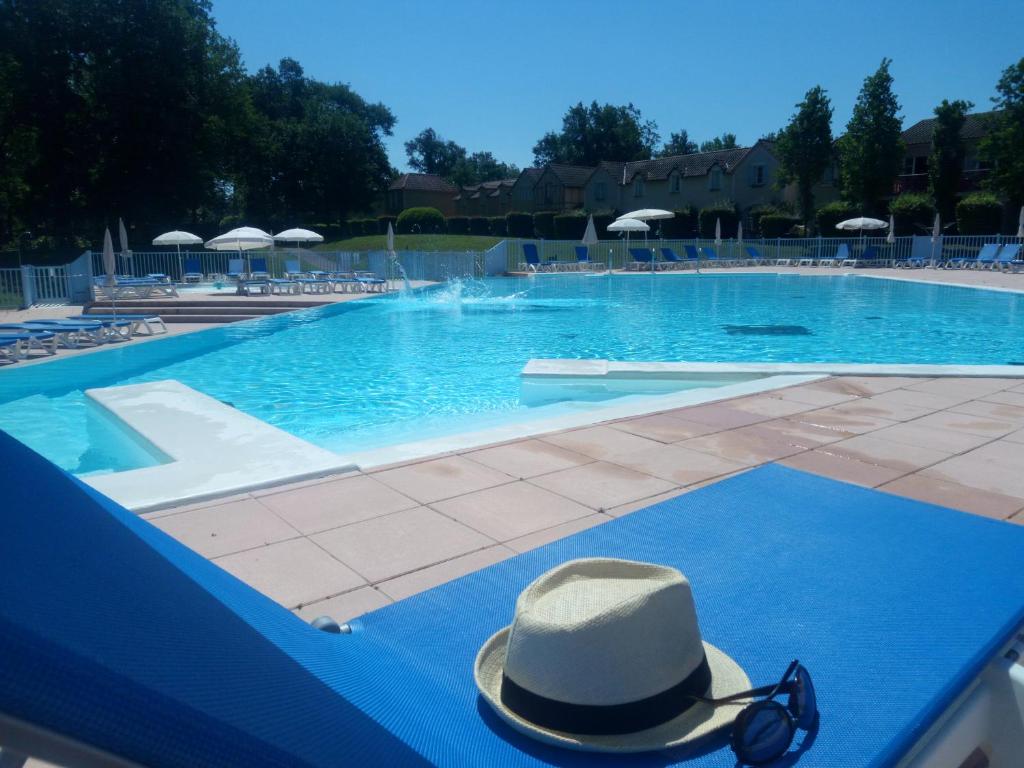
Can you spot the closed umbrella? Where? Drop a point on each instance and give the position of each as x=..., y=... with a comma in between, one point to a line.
x=627, y=226
x=590, y=233
x=390, y=240
x=718, y=233
x=1020, y=223
x=177, y=238
x=110, y=267
x=122, y=238
x=241, y=239
x=891, y=237
x=739, y=233
x=936, y=234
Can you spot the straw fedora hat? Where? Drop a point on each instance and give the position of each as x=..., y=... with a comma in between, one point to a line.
x=604, y=655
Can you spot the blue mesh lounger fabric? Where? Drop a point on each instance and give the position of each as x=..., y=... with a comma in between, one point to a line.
x=114, y=634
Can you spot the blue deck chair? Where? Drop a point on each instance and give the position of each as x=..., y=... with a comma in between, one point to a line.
x=150, y=323
x=583, y=261
x=755, y=256
x=671, y=260
x=642, y=259
x=236, y=268
x=711, y=257
x=11, y=349
x=32, y=340
x=869, y=258
x=986, y=255
x=68, y=333
x=1009, y=257
x=292, y=268
x=118, y=639
x=192, y=271
x=693, y=255
x=258, y=269
x=533, y=263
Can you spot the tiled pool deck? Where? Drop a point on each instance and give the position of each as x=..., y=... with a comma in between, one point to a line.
x=348, y=544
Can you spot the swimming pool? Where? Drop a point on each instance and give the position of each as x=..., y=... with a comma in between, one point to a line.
x=379, y=371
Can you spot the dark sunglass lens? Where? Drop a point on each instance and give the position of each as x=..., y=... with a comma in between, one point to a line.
x=802, y=702
x=763, y=731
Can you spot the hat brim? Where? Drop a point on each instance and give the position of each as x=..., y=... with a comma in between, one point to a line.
x=697, y=722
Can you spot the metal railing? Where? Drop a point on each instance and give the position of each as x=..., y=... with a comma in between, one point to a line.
x=215, y=263
x=28, y=285
x=434, y=265
x=10, y=289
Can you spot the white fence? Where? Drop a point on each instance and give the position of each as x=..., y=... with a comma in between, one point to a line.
x=28, y=285
x=211, y=263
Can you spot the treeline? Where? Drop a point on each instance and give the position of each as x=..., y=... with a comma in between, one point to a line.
x=143, y=110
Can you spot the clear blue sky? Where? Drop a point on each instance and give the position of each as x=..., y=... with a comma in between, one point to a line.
x=496, y=75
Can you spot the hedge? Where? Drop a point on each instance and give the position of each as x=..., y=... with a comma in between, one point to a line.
x=682, y=225
x=519, y=224
x=497, y=226
x=831, y=214
x=570, y=226
x=776, y=224
x=478, y=225
x=424, y=221
x=723, y=211
x=544, y=224
x=913, y=213
x=979, y=213
x=382, y=223
x=458, y=225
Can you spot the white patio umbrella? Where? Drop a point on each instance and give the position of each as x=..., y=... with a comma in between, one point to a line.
x=298, y=236
x=860, y=224
x=240, y=239
x=110, y=267
x=936, y=234
x=647, y=214
x=122, y=239
x=1020, y=223
x=177, y=238
x=891, y=237
x=627, y=226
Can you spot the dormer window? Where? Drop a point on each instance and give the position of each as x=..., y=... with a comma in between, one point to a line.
x=757, y=176
x=716, y=179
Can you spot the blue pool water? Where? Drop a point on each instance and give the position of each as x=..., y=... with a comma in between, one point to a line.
x=361, y=374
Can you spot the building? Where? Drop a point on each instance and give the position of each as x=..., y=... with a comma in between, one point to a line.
x=560, y=187
x=521, y=193
x=414, y=190
x=490, y=198
x=918, y=141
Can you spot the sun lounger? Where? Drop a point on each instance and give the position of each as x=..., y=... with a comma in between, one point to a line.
x=642, y=260
x=250, y=287
x=134, y=288
x=204, y=670
x=11, y=349
x=370, y=283
x=756, y=258
x=236, y=269
x=583, y=261
x=69, y=334
x=869, y=258
x=533, y=262
x=292, y=268
x=192, y=272
x=712, y=259
x=1009, y=257
x=258, y=269
x=693, y=255
x=284, y=286
x=671, y=261
x=151, y=324
x=32, y=340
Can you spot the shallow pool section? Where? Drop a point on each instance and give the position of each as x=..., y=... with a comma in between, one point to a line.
x=352, y=376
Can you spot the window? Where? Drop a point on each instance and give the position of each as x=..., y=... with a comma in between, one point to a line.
x=757, y=176
x=600, y=191
x=716, y=179
x=638, y=187
x=917, y=164
x=675, y=184
x=549, y=192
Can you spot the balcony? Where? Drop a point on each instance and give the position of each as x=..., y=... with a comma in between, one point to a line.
x=918, y=182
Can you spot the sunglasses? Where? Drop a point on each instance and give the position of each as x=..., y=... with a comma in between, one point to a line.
x=764, y=730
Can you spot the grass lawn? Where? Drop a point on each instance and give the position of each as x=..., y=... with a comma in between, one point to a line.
x=414, y=243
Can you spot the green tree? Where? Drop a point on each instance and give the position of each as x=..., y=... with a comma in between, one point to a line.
x=678, y=144
x=871, y=151
x=804, y=148
x=598, y=132
x=725, y=141
x=479, y=167
x=945, y=165
x=428, y=152
x=1004, y=144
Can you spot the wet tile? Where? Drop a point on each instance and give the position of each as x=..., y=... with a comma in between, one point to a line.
x=346, y=606
x=952, y=421
x=663, y=428
x=769, y=405
x=819, y=394
x=426, y=578
x=718, y=416
x=556, y=532
x=528, y=458
x=511, y=510
x=438, y=479
x=405, y=541
x=291, y=572
x=602, y=485
x=746, y=445
x=682, y=466
x=872, y=385
x=954, y=495
x=1000, y=412
x=600, y=442
x=915, y=434
x=338, y=502
x=886, y=453
x=841, y=468
x=852, y=419
x=804, y=434
x=227, y=528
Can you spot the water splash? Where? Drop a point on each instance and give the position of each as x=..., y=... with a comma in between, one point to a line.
x=406, y=286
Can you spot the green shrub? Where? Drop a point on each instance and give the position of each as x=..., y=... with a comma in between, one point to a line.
x=478, y=225
x=497, y=226
x=424, y=221
x=831, y=214
x=570, y=226
x=766, y=209
x=368, y=226
x=723, y=211
x=979, y=213
x=544, y=224
x=382, y=223
x=601, y=221
x=682, y=225
x=519, y=224
x=913, y=213
x=353, y=228
x=458, y=225
x=776, y=224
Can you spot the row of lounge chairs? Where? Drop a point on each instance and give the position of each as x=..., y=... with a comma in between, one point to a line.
x=128, y=287
x=1005, y=258
x=583, y=263
x=257, y=279
x=19, y=341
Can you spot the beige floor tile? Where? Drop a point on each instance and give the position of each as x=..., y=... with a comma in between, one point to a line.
x=952, y=421
x=872, y=385
x=954, y=495
x=967, y=388
x=925, y=401
x=602, y=485
x=441, y=478
x=718, y=416
x=196, y=505
x=746, y=445
x=869, y=408
x=682, y=466
x=528, y=458
x=633, y=506
x=346, y=606
x=1005, y=398
x=412, y=583
x=841, y=468
x=1018, y=518
x=338, y=502
x=820, y=394
x=291, y=572
x=886, y=453
x=1015, y=437
x=804, y=434
x=997, y=467
x=546, y=536
x=284, y=487
x=1001, y=412
x=383, y=547
x=768, y=405
x=916, y=434
x=843, y=420
x=601, y=442
x=663, y=428
x=511, y=510
x=227, y=528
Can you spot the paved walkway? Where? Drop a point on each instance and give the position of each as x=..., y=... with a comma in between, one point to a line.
x=348, y=544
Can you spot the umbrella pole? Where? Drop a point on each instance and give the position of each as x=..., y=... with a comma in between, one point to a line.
x=181, y=270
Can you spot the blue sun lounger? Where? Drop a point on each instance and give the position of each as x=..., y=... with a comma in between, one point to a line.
x=672, y=261
x=31, y=339
x=642, y=260
x=11, y=348
x=192, y=271
x=583, y=261
x=117, y=637
x=67, y=333
x=1009, y=257
x=150, y=323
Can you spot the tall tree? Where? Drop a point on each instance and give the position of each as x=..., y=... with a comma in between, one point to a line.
x=481, y=166
x=1004, y=144
x=946, y=162
x=678, y=144
x=428, y=152
x=725, y=141
x=804, y=148
x=871, y=151
x=594, y=133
